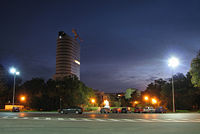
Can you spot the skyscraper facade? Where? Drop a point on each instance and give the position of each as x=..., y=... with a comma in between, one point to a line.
x=67, y=56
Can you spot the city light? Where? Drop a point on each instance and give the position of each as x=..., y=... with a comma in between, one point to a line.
x=106, y=102
x=12, y=70
x=146, y=98
x=93, y=100
x=22, y=98
x=17, y=73
x=77, y=62
x=173, y=62
x=136, y=102
x=154, y=101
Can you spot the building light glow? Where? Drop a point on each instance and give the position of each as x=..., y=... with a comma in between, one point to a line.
x=77, y=62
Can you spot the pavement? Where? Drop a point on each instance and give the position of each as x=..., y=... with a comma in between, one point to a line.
x=54, y=123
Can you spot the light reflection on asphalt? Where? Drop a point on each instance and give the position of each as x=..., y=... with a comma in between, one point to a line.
x=104, y=116
x=22, y=114
x=93, y=116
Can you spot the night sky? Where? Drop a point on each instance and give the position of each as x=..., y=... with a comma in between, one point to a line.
x=126, y=42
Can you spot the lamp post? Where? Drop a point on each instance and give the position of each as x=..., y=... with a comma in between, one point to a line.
x=15, y=73
x=173, y=62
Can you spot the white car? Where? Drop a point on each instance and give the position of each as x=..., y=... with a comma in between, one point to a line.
x=149, y=110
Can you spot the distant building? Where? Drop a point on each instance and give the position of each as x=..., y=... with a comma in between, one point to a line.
x=67, y=56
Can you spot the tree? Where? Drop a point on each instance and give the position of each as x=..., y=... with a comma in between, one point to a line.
x=186, y=95
x=195, y=71
x=35, y=90
x=128, y=93
x=51, y=94
x=73, y=91
x=154, y=88
x=3, y=94
x=5, y=86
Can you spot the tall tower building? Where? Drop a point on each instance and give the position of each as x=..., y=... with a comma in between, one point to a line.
x=67, y=56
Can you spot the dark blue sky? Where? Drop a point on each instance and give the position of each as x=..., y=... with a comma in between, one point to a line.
x=126, y=42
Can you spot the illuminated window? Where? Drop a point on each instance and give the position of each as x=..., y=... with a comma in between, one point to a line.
x=77, y=62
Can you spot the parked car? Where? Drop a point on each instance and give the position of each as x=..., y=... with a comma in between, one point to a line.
x=15, y=109
x=148, y=110
x=126, y=110
x=160, y=110
x=72, y=109
x=116, y=110
x=138, y=110
x=105, y=110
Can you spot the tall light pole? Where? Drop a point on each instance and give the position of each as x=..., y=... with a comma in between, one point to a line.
x=173, y=62
x=15, y=73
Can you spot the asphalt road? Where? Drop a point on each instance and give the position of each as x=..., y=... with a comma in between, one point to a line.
x=61, y=127
x=54, y=123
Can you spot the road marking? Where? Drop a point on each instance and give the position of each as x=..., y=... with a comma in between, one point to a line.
x=179, y=121
x=158, y=120
x=36, y=118
x=60, y=119
x=72, y=119
x=168, y=119
x=129, y=120
x=112, y=120
x=143, y=120
x=99, y=120
x=15, y=117
x=5, y=117
x=140, y=119
x=86, y=120
x=24, y=118
x=104, y=120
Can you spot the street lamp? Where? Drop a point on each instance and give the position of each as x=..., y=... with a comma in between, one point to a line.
x=146, y=98
x=136, y=102
x=173, y=62
x=154, y=101
x=22, y=98
x=92, y=100
x=15, y=73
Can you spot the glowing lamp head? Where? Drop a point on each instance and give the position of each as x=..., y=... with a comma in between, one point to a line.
x=12, y=70
x=154, y=101
x=93, y=100
x=106, y=102
x=146, y=98
x=23, y=98
x=173, y=62
x=17, y=73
